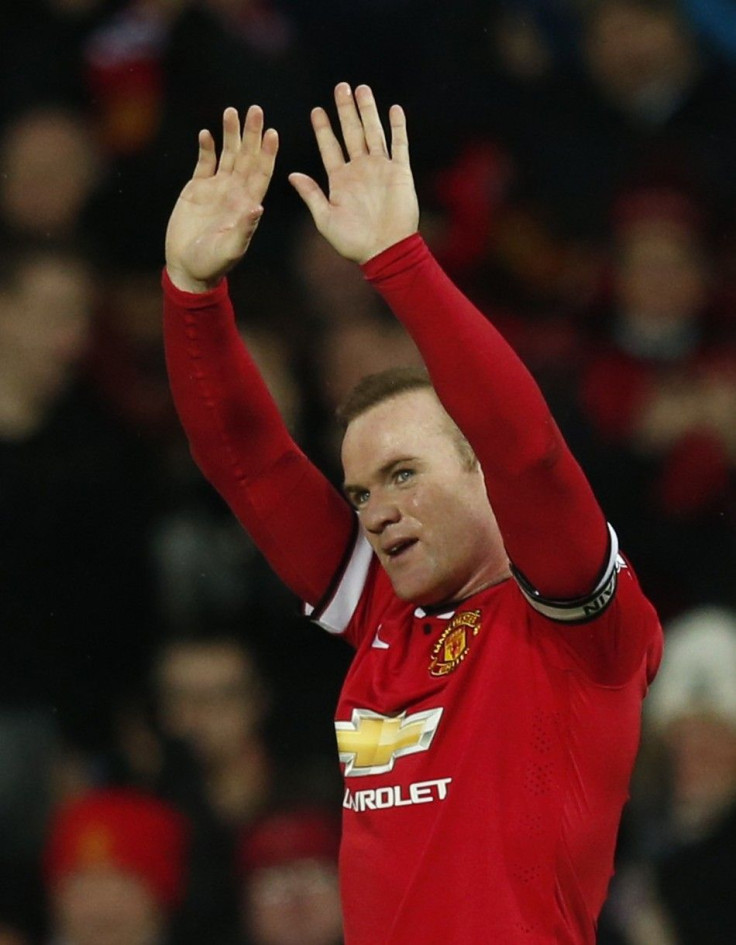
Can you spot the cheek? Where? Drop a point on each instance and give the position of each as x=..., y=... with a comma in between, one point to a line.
x=458, y=510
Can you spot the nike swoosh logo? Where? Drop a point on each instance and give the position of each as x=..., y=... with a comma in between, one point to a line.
x=378, y=643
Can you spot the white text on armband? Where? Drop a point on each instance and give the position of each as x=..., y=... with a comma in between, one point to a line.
x=397, y=795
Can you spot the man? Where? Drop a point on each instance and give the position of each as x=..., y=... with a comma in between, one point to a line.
x=487, y=725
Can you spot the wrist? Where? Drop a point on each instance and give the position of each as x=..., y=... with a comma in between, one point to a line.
x=382, y=246
x=187, y=283
x=405, y=252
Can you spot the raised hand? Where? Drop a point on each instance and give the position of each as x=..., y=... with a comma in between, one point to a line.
x=372, y=202
x=218, y=211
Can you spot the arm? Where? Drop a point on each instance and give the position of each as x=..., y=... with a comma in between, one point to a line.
x=301, y=524
x=552, y=526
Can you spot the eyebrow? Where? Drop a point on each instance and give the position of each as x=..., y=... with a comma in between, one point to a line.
x=350, y=489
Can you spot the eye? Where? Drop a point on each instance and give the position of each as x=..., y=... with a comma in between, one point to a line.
x=403, y=475
x=360, y=498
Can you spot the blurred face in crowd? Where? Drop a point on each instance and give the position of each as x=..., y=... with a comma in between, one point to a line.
x=661, y=272
x=632, y=49
x=105, y=907
x=295, y=903
x=50, y=167
x=421, y=500
x=702, y=749
x=210, y=697
x=45, y=319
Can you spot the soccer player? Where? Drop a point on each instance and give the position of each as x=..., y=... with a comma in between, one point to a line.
x=489, y=721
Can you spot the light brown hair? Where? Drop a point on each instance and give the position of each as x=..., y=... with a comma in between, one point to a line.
x=374, y=389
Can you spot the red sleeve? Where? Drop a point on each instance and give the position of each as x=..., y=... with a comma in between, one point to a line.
x=553, y=528
x=299, y=521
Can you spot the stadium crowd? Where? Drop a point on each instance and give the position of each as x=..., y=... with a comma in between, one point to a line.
x=165, y=713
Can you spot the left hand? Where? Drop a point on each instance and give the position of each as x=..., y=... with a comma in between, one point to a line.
x=218, y=211
x=372, y=202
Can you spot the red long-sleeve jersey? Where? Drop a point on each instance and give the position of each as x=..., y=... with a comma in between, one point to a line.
x=486, y=750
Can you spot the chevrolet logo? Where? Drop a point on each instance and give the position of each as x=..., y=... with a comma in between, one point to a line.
x=370, y=743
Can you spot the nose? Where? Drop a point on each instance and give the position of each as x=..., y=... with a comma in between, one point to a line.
x=378, y=513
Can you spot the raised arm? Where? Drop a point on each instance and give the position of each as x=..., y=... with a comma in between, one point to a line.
x=298, y=520
x=553, y=529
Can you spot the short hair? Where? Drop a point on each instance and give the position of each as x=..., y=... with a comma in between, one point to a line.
x=377, y=388
x=373, y=389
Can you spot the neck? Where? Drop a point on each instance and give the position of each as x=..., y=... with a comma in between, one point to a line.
x=239, y=787
x=503, y=573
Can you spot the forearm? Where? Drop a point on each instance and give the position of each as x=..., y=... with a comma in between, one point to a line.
x=238, y=438
x=539, y=494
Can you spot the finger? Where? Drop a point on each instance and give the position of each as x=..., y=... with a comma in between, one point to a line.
x=329, y=147
x=352, y=127
x=399, y=136
x=230, y=140
x=254, y=141
x=270, y=144
x=313, y=196
x=252, y=130
x=260, y=170
x=375, y=137
x=206, y=159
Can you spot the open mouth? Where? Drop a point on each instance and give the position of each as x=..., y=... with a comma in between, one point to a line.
x=400, y=548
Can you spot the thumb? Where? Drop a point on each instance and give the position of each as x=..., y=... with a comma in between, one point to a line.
x=312, y=195
x=246, y=229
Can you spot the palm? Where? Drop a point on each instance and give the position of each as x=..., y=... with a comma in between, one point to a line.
x=369, y=195
x=372, y=203
x=218, y=210
x=204, y=231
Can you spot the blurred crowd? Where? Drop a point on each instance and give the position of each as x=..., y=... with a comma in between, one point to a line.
x=167, y=769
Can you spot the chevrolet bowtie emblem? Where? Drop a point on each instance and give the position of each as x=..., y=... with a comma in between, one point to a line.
x=370, y=743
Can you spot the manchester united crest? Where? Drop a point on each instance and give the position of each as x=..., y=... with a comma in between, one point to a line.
x=453, y=645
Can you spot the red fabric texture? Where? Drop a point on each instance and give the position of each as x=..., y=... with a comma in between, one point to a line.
x=503, y=829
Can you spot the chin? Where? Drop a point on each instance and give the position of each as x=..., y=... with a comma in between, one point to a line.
x=419, y=594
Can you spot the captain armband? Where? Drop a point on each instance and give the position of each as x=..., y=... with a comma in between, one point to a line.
x=581, y=609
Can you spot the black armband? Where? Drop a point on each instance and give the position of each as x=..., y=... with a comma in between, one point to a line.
x=582, y=609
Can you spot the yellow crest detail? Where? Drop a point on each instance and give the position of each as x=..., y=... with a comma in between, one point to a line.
x=453, y=645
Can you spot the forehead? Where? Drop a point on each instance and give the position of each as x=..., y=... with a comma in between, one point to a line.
x=203, y=666
x=410, y=424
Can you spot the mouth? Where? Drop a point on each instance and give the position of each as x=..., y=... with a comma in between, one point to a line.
x=399, y=548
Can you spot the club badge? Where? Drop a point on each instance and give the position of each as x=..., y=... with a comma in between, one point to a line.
x=453, y=645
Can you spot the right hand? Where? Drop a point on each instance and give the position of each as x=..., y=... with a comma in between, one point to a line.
x=218, y=211
x=371, y=202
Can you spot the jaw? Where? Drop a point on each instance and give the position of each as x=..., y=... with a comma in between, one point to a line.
x=416, y=578
x=424, y=583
